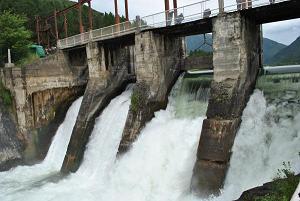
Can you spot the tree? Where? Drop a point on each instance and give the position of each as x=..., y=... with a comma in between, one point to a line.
x=13, y=35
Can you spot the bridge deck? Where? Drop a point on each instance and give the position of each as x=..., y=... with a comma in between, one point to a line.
x=193, y=23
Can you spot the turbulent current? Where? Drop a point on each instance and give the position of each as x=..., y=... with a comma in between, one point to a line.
x=160, y=163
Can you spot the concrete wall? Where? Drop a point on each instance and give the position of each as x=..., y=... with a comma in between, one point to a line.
x=42, y=93
x=158, y=60
x=198, y=63
x=236, y=59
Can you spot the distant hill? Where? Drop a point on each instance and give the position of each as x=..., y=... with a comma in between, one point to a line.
x=270, y=47
x=195, y=41
x=289, y=55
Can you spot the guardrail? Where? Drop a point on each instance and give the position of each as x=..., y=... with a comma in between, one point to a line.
x=184, y=14
x=96, y=34
x=171, y=17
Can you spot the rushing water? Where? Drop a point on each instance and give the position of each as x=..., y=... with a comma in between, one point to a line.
x=159, y=165
x=26, y=177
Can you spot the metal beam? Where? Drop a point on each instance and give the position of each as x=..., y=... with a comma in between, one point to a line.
x=175, y=8
x=37, y=19
x=55, y=25
x=80, y=19
x=126, y=10
x=167, y=8
x=66, y=25
x=90, y=16
x=117, y=17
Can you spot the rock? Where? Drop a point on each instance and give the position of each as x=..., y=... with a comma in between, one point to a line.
x=273, y=188
x=10, y=146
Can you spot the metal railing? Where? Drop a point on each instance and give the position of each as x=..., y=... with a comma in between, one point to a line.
x=96, y=34
x=184, y=14
x=171, y=17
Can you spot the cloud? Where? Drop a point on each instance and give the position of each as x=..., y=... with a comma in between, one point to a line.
x=284, y=31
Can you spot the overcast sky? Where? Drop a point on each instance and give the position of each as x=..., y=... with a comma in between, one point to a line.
x=284, y=31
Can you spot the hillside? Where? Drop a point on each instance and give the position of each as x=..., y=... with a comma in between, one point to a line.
x=289, y=55
x=193, y=42
x=270, y=47
x=43, y=8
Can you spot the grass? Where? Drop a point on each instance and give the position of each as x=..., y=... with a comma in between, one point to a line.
x=283, y=187
x=135, y=101
x=31, y=58
x=199, y=53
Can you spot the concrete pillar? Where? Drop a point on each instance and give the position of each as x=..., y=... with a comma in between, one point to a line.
x=157, y=64
x=236, y=53
x=9, y=56
x=105, y=83
x=9, y=64
x=96, y=62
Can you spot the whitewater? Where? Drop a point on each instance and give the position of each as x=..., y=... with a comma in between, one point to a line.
x=160, y=163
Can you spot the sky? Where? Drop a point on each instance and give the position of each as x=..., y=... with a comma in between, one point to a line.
x=284, y=32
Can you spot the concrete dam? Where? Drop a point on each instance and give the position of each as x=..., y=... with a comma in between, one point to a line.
x=135, y=122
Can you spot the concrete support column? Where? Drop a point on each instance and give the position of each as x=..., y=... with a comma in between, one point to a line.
x=236, y=53
x=96, y=62
x=106, y=81
x=157, y=64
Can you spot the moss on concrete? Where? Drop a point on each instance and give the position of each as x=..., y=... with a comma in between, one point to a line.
x=5, y=95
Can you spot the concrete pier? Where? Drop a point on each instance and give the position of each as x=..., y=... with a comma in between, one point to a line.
x=236, y=59
x=109, y=73
x=158, y=60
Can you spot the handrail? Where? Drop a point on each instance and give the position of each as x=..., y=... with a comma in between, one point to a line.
x=188, y=5
x=160, y=19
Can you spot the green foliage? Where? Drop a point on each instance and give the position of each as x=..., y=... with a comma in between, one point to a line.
x=44, y=8
x=31, y=57
x=285, y=172
x=197, y=53
x=5, y=95
x=13, y=35
x=135, y=101
x=284, y=185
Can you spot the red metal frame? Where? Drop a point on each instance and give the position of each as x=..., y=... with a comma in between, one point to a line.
x=46, y=29
x=117, y=17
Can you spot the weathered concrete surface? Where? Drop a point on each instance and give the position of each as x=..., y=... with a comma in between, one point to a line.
x=42, y=92
x=48, y=109
x=158, y=59
x=10, y=145
x=236, y=59
x=108, y=77
x=198, y=63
